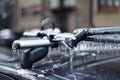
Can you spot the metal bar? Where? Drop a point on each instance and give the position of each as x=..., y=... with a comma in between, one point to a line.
x=18, y=44
x=100, y=30
x=102, y=40
x=104, y=30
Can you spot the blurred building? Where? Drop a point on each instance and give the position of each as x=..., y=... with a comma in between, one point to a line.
x=27, y=15
x=106, y=12
x=68, y=14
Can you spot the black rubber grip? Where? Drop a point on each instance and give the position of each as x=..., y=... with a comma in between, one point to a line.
x=79, y=37
x=32, y=56
x=41, y=35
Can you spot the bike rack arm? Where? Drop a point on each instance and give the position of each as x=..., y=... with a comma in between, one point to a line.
x=84, y=34
x=38, y=50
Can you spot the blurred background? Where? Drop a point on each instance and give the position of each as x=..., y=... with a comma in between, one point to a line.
x=22, y=15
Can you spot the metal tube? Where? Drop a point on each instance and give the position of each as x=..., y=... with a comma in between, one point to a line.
x=102, y=40
x=18, y=44
x=104, y=30
x=31, y=34
x=100, y=30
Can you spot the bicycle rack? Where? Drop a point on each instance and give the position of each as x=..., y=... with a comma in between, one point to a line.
x=87, y=45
